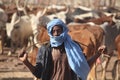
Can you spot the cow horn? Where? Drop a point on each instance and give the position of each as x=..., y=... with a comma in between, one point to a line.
x=21, y=8
x=39, y=14
x=113, y=18
x=68, y=9
x=44, y=11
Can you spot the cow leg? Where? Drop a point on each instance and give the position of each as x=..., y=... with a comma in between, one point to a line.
x=105, y=65
x=1, y=47
x=116, y=70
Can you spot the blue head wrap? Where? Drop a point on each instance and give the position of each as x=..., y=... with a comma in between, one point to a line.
x=57, y=40
x=76, y=58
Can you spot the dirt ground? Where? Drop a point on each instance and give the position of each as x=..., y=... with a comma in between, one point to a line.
x=11, y=68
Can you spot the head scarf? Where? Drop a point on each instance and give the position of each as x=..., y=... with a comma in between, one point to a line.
x=76, y=58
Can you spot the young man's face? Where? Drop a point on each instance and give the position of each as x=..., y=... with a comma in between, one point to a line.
x=56, y=31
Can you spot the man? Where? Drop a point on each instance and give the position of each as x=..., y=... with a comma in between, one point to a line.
x=62, y=59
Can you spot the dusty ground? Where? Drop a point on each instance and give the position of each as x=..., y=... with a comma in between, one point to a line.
x=11, y=68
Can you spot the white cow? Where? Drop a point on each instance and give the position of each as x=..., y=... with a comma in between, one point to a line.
x=19, y=31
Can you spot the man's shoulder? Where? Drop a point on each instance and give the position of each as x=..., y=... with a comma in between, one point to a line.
x=45, y=47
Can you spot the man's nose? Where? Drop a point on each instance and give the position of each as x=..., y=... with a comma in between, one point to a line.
x=56, y=33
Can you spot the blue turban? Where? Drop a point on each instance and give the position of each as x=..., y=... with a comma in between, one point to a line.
x=76, y=58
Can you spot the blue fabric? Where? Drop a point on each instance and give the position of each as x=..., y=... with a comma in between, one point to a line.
x=76, y=58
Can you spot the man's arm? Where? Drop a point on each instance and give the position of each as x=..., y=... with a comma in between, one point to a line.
x=101, y=50
x=23, y=56
x=38, y=68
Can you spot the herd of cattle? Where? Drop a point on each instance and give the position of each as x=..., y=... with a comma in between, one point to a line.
x=25, y=27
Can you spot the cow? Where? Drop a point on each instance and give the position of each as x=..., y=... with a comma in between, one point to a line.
x=19, y=31
x=75, y=28
x=21, y=28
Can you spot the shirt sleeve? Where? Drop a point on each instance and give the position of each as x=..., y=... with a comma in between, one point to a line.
x=39, y=62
